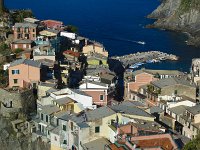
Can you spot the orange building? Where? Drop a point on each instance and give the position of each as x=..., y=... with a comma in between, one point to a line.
x=24, y=73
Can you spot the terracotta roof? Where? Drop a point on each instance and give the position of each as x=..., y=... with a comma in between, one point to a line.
x=114, y=147
x=52, y=23
x=72, y=53
x=164, y=143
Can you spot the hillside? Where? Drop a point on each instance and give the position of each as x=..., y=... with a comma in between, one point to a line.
x=179, y=15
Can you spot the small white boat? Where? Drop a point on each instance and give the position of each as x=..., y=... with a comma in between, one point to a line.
x=134, y=66
x=149, y=61
x=141, y=42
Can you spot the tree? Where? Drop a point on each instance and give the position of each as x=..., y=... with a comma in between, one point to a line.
x=71, y=28
x=193, y=144
x=1, y=6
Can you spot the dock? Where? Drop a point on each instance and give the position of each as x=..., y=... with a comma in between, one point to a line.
x=140, y=58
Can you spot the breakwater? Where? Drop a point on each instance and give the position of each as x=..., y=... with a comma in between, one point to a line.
x=139, y=58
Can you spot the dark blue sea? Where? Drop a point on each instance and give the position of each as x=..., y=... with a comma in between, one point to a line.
x=118, y=24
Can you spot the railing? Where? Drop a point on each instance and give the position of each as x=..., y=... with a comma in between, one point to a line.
x=44, y=53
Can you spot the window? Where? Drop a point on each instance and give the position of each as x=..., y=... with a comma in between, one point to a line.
x=15, y=81
x=189, y=125
x=47, y=118
x=19, y=36
x=26, y=30
x=33, y=35
x=64, y=127
x=65, y=142
x=101, y=97
x=72, y=126
x=15, y=71
x=26, y=36
x=15, y=46
x=34, y=85
x=175, y=92
x=57, y=122
x=24, y=45
x=41, y=116
x=33, y=30
x=97, y=129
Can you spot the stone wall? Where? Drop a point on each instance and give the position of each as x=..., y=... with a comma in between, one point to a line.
x=14, y=102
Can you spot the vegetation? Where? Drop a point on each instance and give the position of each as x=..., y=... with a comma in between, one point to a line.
x=18, y=50
x=3, y=78
x=157, y=75
x=19, y=15
x=193, y=144
x=4, y=49
x=71, y=28
x=2, y=8
x=185, y=5
x=152, y=90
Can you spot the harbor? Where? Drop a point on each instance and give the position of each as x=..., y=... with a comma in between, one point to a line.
x=133, y=61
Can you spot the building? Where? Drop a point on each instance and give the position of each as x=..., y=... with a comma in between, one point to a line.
x=71, y=55
x=154, y=142
x=53, y=24
x=100, y=92
x=195, y=70
x=50, y=37
x=80, y=99
x=31, y=20
x=25, y=31
x=96, y=59
x=170, y=87
x=94, y=47
x=190, y=120
x=44, y=52
x=24, y=73
x=133, y=81
x=24, y=44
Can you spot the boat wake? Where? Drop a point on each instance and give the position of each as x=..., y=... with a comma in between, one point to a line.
x=127, y=40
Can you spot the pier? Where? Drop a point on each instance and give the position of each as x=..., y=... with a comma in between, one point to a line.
x=139, y=58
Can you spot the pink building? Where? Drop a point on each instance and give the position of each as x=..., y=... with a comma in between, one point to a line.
x=139, y=79
x=22, y=44
x=53, y=24
x=101, y=93
x=25, y=31
x=24, y=73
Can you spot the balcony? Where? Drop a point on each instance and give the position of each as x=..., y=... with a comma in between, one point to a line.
x=49, y=52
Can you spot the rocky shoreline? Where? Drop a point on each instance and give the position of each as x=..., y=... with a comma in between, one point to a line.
x=173, y=15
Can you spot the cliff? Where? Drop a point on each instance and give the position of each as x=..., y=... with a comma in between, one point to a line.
x=9, y=140
x=179, y=15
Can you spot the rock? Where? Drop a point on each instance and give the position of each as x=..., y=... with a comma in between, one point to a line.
x=179, y=15
x=9, y=140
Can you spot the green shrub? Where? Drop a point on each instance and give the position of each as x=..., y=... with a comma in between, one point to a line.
x=18, y=50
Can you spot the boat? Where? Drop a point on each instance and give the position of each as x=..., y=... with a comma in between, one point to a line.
x=155, y=60
x=139, y=64
x=134, y=66
x=141, y=42
x=149, y=61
